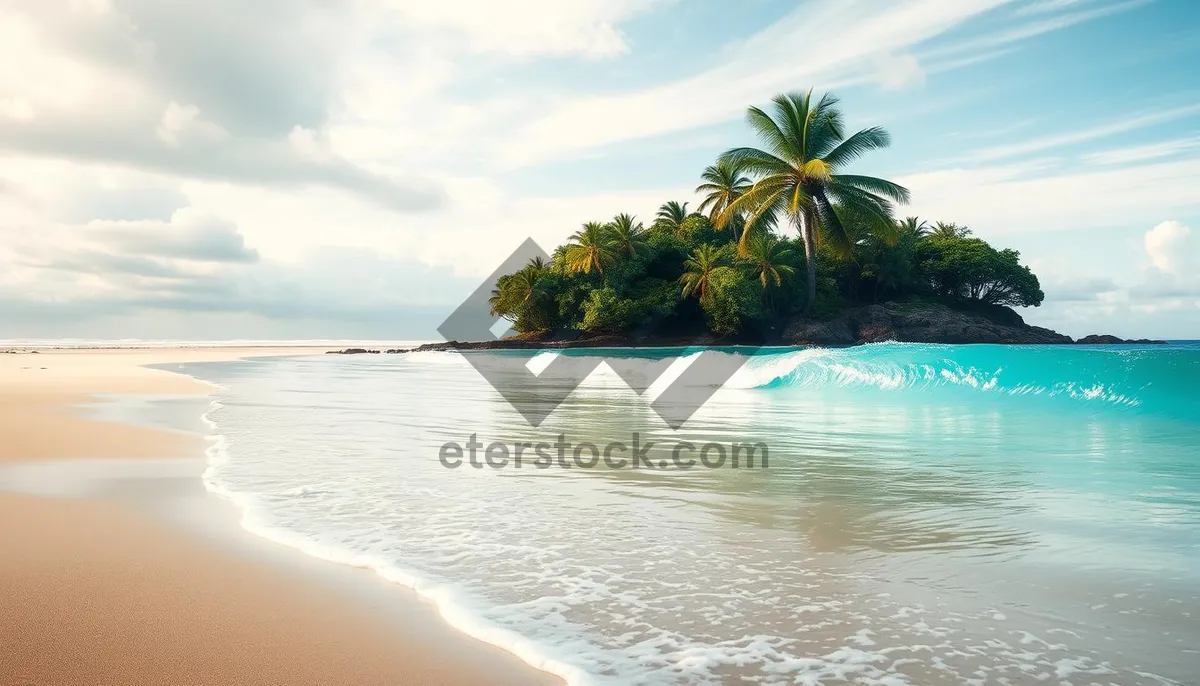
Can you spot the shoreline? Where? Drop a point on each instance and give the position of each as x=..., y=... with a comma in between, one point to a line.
x=905, y=321
x=675, y=344
x=120, y=552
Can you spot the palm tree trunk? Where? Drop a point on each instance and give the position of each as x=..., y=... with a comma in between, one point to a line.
x=807, y=228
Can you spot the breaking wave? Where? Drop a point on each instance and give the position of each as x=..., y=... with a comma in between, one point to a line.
x=1130, y=377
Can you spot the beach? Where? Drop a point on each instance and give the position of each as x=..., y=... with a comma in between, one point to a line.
x=103, y=590
x=928, y=515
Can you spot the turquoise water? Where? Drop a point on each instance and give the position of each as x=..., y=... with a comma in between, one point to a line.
x=928, y=514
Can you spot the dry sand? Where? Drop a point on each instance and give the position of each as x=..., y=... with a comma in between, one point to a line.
x=99, y=592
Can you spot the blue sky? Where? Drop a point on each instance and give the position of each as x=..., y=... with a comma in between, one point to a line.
x=342, y=170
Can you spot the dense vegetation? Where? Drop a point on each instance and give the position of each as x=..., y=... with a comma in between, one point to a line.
x=729, y=267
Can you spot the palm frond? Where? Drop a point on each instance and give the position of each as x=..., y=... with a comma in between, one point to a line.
x=875, y=186
x=791, y=114
x=825, y=127
x=755, y=161
x=858, y=145
x=771, y=136
x=839, y=238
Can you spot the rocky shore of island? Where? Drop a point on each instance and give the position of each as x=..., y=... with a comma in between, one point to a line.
x=903, y=321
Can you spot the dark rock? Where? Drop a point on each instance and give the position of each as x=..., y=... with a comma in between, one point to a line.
x=1099, y=339
x=914, y=320
x=920, y=322
x=352, y=351
x=1106, y=339
x=805, y=331
x=874, y=324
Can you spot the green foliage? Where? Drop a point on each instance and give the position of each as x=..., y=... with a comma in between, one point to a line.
x=769, y=260
x=949, y=230
x=670, y=217
x=733, y=303
x=522, y=298
x=697, y=228
x=724, y=183
x=607, y=310
x=700, y=268
x=626, y=235
x=728, y=272
x=591, y=249
x=800, y=175
x=971, y=269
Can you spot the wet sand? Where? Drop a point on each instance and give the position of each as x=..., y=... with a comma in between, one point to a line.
x=101, y=590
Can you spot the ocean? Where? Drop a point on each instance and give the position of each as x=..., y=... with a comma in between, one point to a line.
x=926, y=514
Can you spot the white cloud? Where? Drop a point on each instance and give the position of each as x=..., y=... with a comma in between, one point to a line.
x=1037, y=196
x=525, y=28
x=1169, y=246
x=17, y=108
x=181, y=122
x=178, y=89
x=895, y=72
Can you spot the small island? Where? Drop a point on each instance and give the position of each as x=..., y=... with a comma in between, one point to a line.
x=787, y=247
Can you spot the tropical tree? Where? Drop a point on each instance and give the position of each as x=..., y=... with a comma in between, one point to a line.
x=799, y=173
x=705, y=263
x=520, y=298
x=949, y=230
x=914, y=226
x=724, y=182
x=671, y=215
x=590, y=249
x=627, y=235
x=767, y=260
x=971, y=269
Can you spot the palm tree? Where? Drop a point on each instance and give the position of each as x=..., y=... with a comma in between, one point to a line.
x=626, y=234
x=516, y=289
x=724, y=183
x=590, y=249
x=949, y=230
x=767, y=258
x=705, y=262
x=525, y=282
x=914, y=226
x=671, y=215
x=798, y=173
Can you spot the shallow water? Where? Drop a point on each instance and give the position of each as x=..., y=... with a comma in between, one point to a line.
x=929, y=514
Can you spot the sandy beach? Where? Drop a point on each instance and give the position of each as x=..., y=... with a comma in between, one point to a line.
x=100, y=591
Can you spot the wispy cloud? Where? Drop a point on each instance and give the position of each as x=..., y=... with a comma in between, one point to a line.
x=824, y=44
x=525, y=28
x=1023, y=197
x=1034, y=28
x=1112, y=128
x=1141, y=153
x=1049, y=6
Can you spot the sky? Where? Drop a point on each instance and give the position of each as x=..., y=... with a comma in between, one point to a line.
x=287, y=169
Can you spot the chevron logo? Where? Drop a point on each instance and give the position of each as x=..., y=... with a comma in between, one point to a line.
x=536, y=395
